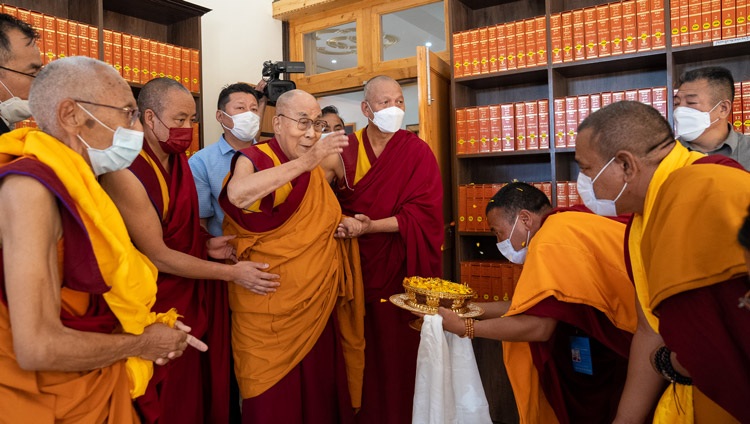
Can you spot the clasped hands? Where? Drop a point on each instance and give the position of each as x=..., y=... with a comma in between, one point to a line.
x=250, y=275
x=351, y=227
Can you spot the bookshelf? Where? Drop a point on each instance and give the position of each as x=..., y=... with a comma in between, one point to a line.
x=660, y=40
x=169, y=26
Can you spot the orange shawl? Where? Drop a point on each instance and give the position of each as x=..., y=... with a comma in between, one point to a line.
x=319, y=275
x=575, y=257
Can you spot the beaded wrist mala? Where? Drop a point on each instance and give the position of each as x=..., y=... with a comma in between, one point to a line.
x=469, y=324
x=663, y=364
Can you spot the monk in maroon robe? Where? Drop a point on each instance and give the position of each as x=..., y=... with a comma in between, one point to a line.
x=391, y=184
x=158, y=201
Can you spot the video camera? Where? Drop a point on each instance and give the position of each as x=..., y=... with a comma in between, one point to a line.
x=274, y=86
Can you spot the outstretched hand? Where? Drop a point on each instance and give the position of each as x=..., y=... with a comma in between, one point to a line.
x=351, y=227
x=220, y=248
x=334, y=143
x=251, y=276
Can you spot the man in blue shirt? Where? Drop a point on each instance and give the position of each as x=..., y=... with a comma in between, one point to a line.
x=239, y=111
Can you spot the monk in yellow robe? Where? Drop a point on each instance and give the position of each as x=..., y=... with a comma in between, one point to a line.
x=688, y=269
x=298, y=351
x=573, y=295
x=77, y=338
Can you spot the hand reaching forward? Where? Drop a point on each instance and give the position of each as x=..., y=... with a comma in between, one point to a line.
x=219, y=248
x=332, y=144
x=251, y=277
x=353, y=227
x=162, y=344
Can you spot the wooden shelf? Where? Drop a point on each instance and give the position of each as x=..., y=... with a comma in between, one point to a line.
x=519, y=76
x=711, y=51
x=165, y=12
x=649, y=60
x=501, y=154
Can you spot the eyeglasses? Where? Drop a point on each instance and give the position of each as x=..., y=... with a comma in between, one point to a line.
x=304, y=124
x=22, y=73
x=133, y=114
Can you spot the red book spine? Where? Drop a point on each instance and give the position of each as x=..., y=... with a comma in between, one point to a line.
x=532, y=125
x=555, y=21
x=507, y=117
x=520, y=120
x=484, y=129
x=496, y=132
x=591, y=38
x=461, y=132
x=615, y=28
x=472, y=126
x=543, y=124
x=643, y=17
x=602, y=30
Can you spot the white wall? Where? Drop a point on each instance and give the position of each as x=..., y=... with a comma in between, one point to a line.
x=238, y=36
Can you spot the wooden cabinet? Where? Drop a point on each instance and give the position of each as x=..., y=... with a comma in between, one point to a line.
x=641, y=69
x=172, y=22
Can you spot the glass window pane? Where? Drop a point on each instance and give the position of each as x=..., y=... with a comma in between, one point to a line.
x=403, y=31
x=331, y=49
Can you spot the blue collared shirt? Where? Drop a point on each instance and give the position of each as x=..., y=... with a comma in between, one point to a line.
x=210, y=167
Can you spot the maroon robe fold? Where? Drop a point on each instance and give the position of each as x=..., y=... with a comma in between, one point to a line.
x=404, y=181
x=195, y=387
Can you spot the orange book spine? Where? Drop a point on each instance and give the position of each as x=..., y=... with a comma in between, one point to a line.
x=674, y=22
x=745, y=107
x=484, y=129
x=461, y=131
x=472, y=125
x=162, y=58
x=602, y=29
x=195, y=143
x=135, y=58
x=547, y=190
x=659, y=100
x=83, y=40
x=169, y=55
x=145, y=60
x=559, y=115
x=629, y=27
x=584, y=107
x=741, y=19
x=495, y=129
x=462, y=208
x=472, y=209
x=737, y=107
x=108, y=50
x=728, y=14
x=590, y=37
x=127, y=57
x=694, y=16
x=567, y=36
x=93, y=42
x=562, y=194
x=579, y=36
x=153, y=60
x=185, y=61
x=475, y=53
x=492, y=47
x=50, y=38
x=507, y=117
x=484, y=51
x=530, y=35
x=37, y=22
x=117, y=50
x=466, y=52
x=465, y=272
x=520, y=44
x=532, y=125
x=555, y=22
x=73, y=38
x=715, y=20
x=485, y=281
x=502, y=51
x=706, y=21
x=486, y=196
x=615, y=29
x=11, y=10
x=571, y=121
x=573, y=198
x=496, y=273
x=63, y=49
x=510, y=45
x=457, y=56
x=684, y=22
x=543, y=106
x=520, y=124
x=176, y=63
x=540, y=23
x=658, y=25
x=506, y=273
x=643, y=24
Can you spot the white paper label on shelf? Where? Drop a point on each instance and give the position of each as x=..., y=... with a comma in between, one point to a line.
x=731, y=41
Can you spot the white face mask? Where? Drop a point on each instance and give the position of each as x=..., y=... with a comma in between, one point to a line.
x=14, y=109
x=246, y=125
x=690, y=123
x=126, y=145
x=506, y=247
x=324, y=135
x=388, y=120
x=601, y=207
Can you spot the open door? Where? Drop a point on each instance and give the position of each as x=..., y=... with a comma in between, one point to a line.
x=433, y=81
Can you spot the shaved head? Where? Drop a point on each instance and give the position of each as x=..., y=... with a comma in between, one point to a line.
x=373, y=83
x=285, y=101
x=153, y=95
x=626, y=125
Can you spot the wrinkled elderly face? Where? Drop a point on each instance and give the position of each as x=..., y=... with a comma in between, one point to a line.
x=25, y=59
x=114, y=101
x=293, y=140
x=503, y=229
x=178, y=112
x=382, y=96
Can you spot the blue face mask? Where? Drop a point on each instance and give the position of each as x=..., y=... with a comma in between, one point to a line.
x=506, y=247
x=126, y=145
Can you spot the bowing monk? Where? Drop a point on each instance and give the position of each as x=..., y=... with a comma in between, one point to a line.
x=388, y=179
x=158, y=201
x=75, y=294
x=298, y=351
x=573, y=295
x=684, y=259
